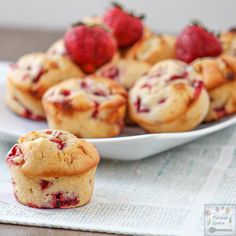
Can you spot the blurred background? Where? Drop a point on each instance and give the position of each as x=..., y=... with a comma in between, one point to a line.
x=27, y=25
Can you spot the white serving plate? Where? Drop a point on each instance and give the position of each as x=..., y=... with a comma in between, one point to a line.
x=133, y=144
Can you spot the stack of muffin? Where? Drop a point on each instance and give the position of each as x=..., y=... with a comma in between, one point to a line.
x=149, y=81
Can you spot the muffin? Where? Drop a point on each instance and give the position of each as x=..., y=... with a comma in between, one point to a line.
x=52, y=169
x=93, y=107
x=58, y=48
x=93, y=20
x=153, y=49
x=168, y=99
x=30, y=77
x=125, y=71
x=219, y=77
x=228, y=41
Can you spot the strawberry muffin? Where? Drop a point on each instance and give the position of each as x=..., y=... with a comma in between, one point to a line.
x=124, y=71
x=52, y=169
x=58, y=48
x=153, y=49
x=219, y=77
x=93, y=107
x=228, y=41
x=168, y=99
x=30, y=77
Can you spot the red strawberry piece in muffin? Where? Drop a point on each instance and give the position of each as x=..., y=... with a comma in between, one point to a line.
x=15, y=156
x=61, y=201
x=44, y=184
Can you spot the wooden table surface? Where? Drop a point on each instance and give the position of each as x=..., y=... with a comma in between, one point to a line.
x=13, y=44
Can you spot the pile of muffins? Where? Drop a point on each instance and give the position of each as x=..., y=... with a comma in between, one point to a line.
x=144, y=83
x=105, y=72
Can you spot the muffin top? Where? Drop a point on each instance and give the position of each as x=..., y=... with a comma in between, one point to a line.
x=215, y=71
x=58, y=48
x=52, y=153
x=87, y=93
x=228, y=41
x=166, y=93
x=166, y=69
x=163, y=45
x=36, y=72
x=124, y=71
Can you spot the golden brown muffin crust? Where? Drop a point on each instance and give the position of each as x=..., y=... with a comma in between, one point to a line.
x=55, y=153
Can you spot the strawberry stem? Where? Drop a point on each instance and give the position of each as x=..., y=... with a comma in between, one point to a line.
x=116, y=4
x=79, y=23
x=198, y=23
x=142, y=17
x=103, y=26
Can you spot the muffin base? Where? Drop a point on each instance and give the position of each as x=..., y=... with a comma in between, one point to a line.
x=188, y=121
x=223, y=102
x=24, y=104
x=57, y=192
x=108, y=123
x=153, y=49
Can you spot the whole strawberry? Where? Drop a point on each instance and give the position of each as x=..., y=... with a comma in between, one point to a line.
x=194, y=42
x=126, y=27
x=90, y=46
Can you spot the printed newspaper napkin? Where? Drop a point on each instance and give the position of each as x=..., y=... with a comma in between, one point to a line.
x=161, y=195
